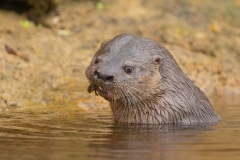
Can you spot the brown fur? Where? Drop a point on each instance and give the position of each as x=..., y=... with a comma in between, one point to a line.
x=157, y=91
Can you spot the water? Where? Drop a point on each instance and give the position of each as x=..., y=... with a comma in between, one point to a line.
x=63, y=133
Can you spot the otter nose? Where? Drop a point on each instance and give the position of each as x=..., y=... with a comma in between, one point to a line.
x=104, y=77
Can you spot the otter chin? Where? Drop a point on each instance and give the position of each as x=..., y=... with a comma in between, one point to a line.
x=144, y=84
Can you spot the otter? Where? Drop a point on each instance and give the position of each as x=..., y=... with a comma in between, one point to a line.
x=144, y=84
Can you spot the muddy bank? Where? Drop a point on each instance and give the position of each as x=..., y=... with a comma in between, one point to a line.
x=204, y=38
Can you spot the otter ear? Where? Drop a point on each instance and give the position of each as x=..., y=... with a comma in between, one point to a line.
x=103, y=43
x=156, y=59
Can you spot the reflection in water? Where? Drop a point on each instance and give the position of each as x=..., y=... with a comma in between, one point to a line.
x=72, y=134
x=149, y=141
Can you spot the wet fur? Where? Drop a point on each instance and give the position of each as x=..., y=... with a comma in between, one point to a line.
x=158, y=92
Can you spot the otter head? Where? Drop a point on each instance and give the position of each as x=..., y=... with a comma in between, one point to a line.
x=142, y=82
x=123, y=70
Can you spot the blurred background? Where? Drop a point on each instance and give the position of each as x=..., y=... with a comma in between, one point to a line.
x=46, y=45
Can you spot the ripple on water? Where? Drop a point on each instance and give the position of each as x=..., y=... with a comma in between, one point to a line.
x=73, y=134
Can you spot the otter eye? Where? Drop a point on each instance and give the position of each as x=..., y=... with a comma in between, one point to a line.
x=128, y=69
x=97, y=61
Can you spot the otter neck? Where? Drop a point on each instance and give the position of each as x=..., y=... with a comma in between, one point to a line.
x=165, y=109
x=147, y=113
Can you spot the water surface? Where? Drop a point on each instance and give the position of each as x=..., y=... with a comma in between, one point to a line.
x=63, y=133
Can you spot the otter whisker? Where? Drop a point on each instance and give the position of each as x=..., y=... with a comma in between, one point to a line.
x=125, y=106
x=116, y=109
x=139, y=102
x=140, y=92
x=137, y=97
x=134, y=103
